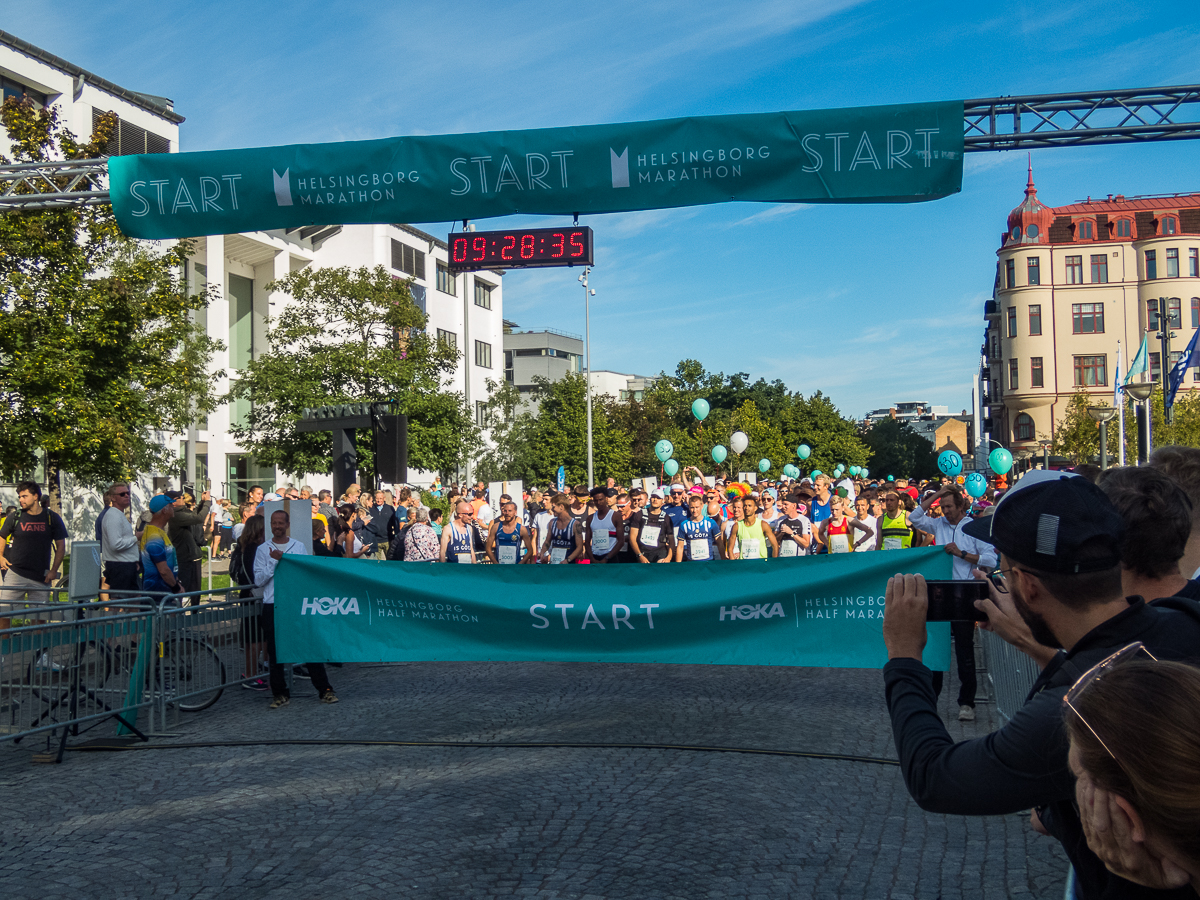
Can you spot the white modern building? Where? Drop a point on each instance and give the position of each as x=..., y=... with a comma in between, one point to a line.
x=466, y=310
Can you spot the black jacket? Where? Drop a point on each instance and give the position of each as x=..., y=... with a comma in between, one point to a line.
x=186, y=531
x=382, y=527
x=1024, y=764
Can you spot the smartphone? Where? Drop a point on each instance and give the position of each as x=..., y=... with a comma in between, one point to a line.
x=954, y=601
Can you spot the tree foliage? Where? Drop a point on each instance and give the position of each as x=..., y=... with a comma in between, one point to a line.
x=898, y=450
x=1077, y=436
x=351, y=337
x=99, y=348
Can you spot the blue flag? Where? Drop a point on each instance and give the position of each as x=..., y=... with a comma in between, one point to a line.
x=1179, y=370
x=562, y=479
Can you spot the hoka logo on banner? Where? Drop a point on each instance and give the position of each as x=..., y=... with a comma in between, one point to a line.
x=329, y=606
x=758, y=611
x=283, y=187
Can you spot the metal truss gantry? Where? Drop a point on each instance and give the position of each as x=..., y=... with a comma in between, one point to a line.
x=1130, y=116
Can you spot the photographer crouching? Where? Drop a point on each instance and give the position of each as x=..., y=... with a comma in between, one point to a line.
x=1058, y=598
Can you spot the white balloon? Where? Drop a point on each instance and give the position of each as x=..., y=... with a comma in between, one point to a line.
x=739, y=442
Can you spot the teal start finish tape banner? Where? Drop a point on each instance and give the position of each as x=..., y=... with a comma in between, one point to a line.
x=865, y=154
x=816, y=611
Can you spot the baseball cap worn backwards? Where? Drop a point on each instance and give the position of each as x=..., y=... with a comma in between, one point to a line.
x=158, y=502
x=1046, y=521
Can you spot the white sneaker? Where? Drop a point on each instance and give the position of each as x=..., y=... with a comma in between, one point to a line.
x=46, y=664
x=966, y=714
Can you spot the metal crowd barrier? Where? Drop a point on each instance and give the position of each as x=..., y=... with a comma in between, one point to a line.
x=75, y=667
x=1010, y=673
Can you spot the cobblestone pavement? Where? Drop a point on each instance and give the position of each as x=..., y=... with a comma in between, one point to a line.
x=372, y=821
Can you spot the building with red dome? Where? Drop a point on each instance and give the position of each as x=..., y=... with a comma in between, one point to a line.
x=1071, y=282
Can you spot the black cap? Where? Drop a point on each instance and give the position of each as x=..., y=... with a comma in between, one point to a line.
x=611, y=492
x=174, y=495
x=1047, y=517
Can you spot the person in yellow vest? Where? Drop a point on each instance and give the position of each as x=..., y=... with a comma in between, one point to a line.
x=752, y=536
x=894, y=531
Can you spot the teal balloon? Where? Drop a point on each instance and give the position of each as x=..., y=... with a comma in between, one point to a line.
x=804, y=451
x=663, y=450
x=670, y=467
x=854, y=470
x=950, y=463
x=975, y=484
x=700, y=408
x=815, y=473
x=719, y=453
x=791, y=471
x=1000, y=460
x=763, y=465
x=864, y=473
x=891, y=478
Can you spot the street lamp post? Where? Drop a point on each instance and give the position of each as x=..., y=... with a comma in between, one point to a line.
x=1045, y=453
x=1140, y=393
x=588, y=293
x=1102, y=414
x=1164, y=322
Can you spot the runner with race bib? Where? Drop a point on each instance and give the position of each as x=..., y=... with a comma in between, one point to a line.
x=698, y=538
x=564, y=535
x=505, y=537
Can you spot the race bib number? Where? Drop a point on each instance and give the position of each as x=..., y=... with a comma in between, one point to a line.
x=749, y=549
x=890, y=543
x=463, y=557
x=698, y=547
x=508, y=554
x=649, y=535
x=558, y=555
x=600, y=542
x=788, y=547
x=839, y=543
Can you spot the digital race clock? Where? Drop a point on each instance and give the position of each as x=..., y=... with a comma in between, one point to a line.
x=520, y=248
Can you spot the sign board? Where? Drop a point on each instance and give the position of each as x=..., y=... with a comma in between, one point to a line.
x=83, y=579
x=649, y=484
x=867, y=154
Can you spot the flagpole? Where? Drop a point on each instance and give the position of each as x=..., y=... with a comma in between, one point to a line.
x=1119, y=400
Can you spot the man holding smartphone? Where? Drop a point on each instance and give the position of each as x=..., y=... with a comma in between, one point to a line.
x=1060, y=541
x=969, y=553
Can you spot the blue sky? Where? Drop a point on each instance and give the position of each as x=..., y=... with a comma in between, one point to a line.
x=869, y=304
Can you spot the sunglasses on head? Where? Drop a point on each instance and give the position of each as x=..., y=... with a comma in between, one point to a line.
x=1135, y=650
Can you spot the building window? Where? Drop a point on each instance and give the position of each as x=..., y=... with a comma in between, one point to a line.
x=1174, y=313
x=1087, y=318
x=1074, y=270
x=1155, y=366
x=1196, y=312
x=1012, y=321
x=408, y=260
x=1034, y=270
x=15, y=89
x=1023, y=428
x=1099, y=268
x=1091, y=371
x=1194, y=263
x=1170, y=225
x=481, y=414
x=1012, y=374
x=508, y=366
x=483, y=294
x=1151, y=264
x=449, y=338
x=483, y=355
x=1124, y=228
x=1085, y=231
x=1035, y=372
x=1172, y=262
x=1035, y=318
x=447, y=282
x=1010, y=273
x=128, y=139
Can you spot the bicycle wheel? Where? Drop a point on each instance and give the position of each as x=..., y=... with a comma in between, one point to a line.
x=191, y=670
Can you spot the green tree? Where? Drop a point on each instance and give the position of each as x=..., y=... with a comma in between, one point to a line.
x=351, y=337
x=834, y=439
x=97, y=334
x=898, y=450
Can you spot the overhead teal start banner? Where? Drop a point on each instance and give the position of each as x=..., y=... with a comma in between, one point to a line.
x=818, y=611
x=863, y=154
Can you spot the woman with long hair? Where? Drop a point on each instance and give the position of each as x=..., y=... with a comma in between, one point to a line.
x=1135, y=751
x=352, y=547
x=241, y=572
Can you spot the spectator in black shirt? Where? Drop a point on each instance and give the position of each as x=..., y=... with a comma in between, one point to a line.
x=27, y=540
x=1060, y=542
x=378, y=531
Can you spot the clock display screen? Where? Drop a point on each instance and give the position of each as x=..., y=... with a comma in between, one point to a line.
x=516, y=249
